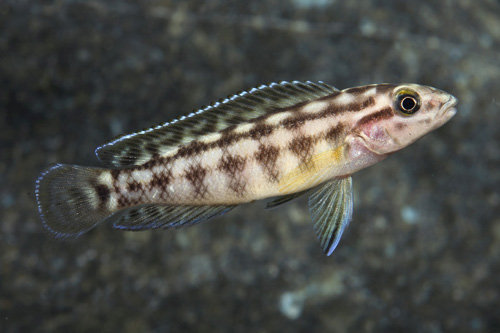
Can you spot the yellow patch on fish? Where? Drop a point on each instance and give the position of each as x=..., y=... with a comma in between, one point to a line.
x=312, y=172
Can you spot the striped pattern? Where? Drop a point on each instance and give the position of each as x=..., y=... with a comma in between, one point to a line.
x=139, y=147
x=245, y=162
x=280, y=140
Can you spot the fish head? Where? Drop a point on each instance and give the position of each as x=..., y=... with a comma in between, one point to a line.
x=403, y=114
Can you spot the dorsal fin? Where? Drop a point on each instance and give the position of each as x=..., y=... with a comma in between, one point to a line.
x=137, y=148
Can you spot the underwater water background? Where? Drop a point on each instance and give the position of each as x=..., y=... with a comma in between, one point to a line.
x=422, y=253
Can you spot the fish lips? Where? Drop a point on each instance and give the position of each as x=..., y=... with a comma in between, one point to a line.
x=448, y=110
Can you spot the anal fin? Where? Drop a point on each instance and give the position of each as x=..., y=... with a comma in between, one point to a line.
x=149, y=216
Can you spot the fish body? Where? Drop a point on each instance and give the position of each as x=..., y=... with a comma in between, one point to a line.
x=280, y=140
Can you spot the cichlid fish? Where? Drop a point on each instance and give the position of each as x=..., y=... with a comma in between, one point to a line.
x=279, y=140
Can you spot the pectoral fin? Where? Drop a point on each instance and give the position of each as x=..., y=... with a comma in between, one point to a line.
x=331, y=211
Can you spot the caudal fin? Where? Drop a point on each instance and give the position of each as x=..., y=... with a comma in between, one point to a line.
x=69, y=200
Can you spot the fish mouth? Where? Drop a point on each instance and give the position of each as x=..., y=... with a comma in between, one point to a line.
x=448, y=110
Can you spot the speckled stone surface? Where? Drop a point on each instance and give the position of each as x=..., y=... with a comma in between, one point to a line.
x=422, y=253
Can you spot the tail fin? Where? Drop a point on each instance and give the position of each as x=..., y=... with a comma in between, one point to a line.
x=69, y=201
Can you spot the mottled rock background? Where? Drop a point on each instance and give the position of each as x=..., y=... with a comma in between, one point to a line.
x=423, y=251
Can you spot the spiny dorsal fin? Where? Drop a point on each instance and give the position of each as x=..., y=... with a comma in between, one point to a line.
x=137, y=148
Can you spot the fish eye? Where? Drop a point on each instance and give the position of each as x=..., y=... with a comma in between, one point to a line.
x=408, y=102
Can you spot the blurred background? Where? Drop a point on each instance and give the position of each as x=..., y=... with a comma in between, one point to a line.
x=422, y=253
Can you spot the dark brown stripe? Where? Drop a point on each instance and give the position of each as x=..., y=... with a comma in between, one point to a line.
x=228, y=138
x=233, y=167
x=162, y=179
x=231, y=164
x=238, y=185
x=261, y=130
x=354, y=107
x=122, y=201
x=114, y=174
x=124, y=151
x=302, y=147
x=294, y=122
x=335, y=133
x=267, y=157
x=385, y=113
x=103, y=194
x=192, y=148
x=195, y=174
x=134, y=186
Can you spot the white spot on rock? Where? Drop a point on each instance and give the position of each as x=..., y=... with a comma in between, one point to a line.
x=409, y=215
x=291, y=304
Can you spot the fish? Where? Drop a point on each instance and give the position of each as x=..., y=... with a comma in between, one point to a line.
x=279, y=141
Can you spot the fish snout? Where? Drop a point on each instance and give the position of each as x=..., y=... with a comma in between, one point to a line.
x=448, y=110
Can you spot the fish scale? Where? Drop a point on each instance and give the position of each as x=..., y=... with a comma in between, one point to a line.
x=282, y=140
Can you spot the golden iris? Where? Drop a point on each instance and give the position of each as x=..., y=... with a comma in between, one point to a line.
x=407, y=101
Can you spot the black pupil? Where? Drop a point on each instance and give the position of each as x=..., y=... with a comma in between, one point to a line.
x=408, y=103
